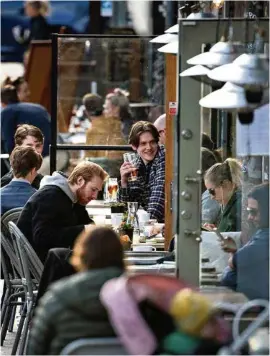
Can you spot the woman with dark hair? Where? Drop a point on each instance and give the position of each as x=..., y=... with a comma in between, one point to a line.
x=71, y=308
x=21, y=86
x=248, y=270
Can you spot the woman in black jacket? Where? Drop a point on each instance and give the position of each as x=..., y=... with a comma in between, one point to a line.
x=37, y=10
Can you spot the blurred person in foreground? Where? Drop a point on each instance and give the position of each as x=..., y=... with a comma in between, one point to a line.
x=56, y=213
x=248, y=270
x=25, y=163
x=149, y=187
x=29, y=136
x=71, y=309
x=16, y=113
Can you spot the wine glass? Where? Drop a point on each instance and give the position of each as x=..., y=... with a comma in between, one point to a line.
x=112, y=189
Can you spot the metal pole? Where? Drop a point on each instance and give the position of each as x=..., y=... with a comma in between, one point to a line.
x=54, y=91
x=171, y=13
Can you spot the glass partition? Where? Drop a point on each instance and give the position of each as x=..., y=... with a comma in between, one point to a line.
x=104, y=85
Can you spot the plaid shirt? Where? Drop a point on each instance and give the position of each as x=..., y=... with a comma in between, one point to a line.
x=149, y=187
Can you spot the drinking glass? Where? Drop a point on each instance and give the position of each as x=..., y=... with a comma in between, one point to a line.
x=131, y=158
x=112, y=188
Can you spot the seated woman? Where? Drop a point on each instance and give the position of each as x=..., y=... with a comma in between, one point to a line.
x=223, y=181
x=117, y=106
x=248, y=272
x=71, y=308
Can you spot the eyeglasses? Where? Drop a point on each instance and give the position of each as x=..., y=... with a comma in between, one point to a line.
x=252, y=211
x=212, y=191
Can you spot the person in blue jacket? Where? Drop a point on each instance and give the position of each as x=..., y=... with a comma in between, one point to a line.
x=248, y=270
x=25, y=163
x=15, y=113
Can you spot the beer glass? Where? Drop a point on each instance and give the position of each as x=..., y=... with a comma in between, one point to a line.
x=131, y=158
x=112, y=188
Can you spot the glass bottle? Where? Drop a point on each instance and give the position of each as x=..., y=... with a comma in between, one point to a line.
x=132, y=218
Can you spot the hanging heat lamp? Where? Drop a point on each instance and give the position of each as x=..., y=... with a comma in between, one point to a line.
x=232, y=98
x=221, y=53
x=199, y=73
x=250, y=71
x=165, y=38
x=170, y=48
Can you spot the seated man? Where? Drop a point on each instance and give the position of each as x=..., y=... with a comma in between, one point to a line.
x=27, y=135
x=56, y=214
x=149, y=187
x=160, y=125
x=248, y=270
x=16, y=113
x=25, y=162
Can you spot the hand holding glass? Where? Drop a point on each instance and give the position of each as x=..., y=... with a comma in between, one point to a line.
x=131, y=158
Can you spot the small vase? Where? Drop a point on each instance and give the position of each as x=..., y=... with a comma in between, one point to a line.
x=128, y=232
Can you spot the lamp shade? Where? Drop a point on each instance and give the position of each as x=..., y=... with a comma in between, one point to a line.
x=200, y=15
x=195, y=71
x=192, y=16
x=165, y=38
x=199, y=73
x=173, y=29
x=221, y=53
x=246, y=70
x=230, y=97
x=170, y=48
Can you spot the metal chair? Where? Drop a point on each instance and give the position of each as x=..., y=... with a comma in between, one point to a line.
x=31, y=269
x=94, y=346
x=14, y=291
x=35, y=265
x=10, y=215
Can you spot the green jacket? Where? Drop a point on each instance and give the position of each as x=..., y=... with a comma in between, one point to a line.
x=231, y=217
x=70, y=310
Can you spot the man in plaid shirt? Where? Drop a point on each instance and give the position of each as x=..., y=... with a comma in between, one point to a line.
x=149, y=187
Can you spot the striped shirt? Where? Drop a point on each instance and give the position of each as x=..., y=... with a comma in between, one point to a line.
x=149, y=187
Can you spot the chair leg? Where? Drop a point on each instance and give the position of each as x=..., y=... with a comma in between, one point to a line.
x=12, y=319
x=19, y=331
x=8, y=315
x=5, y=323
x=26, y=327
x=4, y=304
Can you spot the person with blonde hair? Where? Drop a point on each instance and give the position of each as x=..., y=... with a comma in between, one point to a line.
x=223, y=182
x=117, y=106
x=56, y=214
x=37, y=10
x=71, y=309
x=103, y=130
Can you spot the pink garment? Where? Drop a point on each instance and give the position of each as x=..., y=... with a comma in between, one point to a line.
x=125, y=316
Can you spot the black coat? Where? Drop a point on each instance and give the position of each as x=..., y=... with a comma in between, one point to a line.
x=39, y=28
x=7, y=178
x=50, y=219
